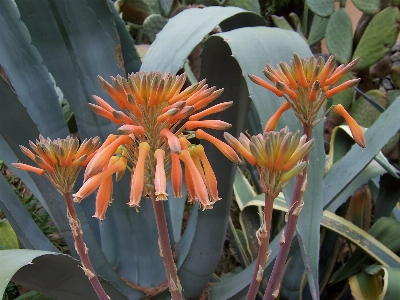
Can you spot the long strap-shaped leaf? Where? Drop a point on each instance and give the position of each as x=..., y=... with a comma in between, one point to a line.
x=29, y=77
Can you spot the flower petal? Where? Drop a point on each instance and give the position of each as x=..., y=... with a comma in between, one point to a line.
x=356, y=131
x=160, y=180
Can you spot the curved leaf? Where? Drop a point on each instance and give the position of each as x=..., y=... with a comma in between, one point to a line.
x=340, y=175
x=370, y=7
x=40, y=271
x=317, y=30
x=202, y=22
x=29, y=77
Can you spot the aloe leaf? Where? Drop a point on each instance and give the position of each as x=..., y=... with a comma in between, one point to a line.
x=293, y=280
x=201, y=21
x=36, y=270
x=390, y=277
x=388, y=196
x=340, y=175
x=17, y=128
x=29, y=77
x=28, y=232
x=8, y=238
x=323, y=8
x=79, y=59
x=380, y=243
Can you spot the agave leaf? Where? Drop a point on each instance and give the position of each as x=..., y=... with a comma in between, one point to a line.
x=388, y=196
x=78, y=58
x=40, y=270
x=131, y=58
x=385, y=231
x=29, y=77
x=197, y=24
x=376, y=282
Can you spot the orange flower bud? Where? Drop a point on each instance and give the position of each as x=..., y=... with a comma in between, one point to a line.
x=131, y=129
x=93, y=182
x=237, y=146
x=273, y=121
x=344, y=86
x=173, y=141
x=266, y=85
x=211, y=110
x=28, y=168
x=284, y=88
x=212, y=124
x=356, y=131
x=223, y=147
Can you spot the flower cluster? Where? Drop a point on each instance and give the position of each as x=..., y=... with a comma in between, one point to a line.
x=156, y=117
x=276, y=154
x=306, y=84
x=59, y=160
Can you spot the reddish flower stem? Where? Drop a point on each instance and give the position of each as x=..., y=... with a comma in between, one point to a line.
x=262, y=257
x=165, y=249
x=81, y=248
x=273, y=287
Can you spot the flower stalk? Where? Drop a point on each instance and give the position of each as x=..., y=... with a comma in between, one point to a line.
x=165, y=250
x=81, y=248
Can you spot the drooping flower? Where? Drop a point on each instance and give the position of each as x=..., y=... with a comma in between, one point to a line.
x=155, y=117
x=278, y=156
x=306, y=84
x=59, y=160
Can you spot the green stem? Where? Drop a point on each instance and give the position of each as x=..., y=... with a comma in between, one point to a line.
x=264, y=234
x=165, y=250
x=81, y=248
x=273, y=287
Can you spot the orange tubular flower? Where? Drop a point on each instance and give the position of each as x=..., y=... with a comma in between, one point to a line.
x=305, y=85
x=153, y=114
x=59, y=160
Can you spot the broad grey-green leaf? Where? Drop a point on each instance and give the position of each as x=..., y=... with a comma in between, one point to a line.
x=202, y=22
x=339, y=35
x=30, y=236
x=29, y=77
x=323, y=8
x=317, y=30
x=40, y=271
x=84, y=50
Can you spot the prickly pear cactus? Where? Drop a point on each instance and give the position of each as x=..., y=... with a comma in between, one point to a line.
x=378, y=38
x=153, y=25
